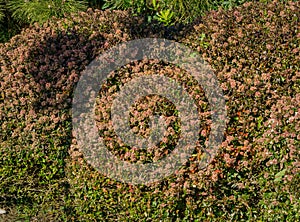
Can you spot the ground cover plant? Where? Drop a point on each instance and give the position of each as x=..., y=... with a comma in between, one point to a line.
x=254, y=51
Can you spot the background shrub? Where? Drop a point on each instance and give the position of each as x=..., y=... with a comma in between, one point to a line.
x=40, y=11
x=1, y=10
x=184, y=11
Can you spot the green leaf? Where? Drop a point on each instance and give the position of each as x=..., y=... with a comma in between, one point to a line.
x=279, y=175
x=259, y=122
x=202, y=37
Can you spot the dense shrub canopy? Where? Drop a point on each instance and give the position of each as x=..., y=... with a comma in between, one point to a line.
x=254, y=51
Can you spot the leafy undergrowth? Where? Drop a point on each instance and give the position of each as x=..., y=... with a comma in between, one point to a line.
x=254, y=51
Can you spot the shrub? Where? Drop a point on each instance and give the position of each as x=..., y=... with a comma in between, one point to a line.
x=39, y=69
x=254, y=50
